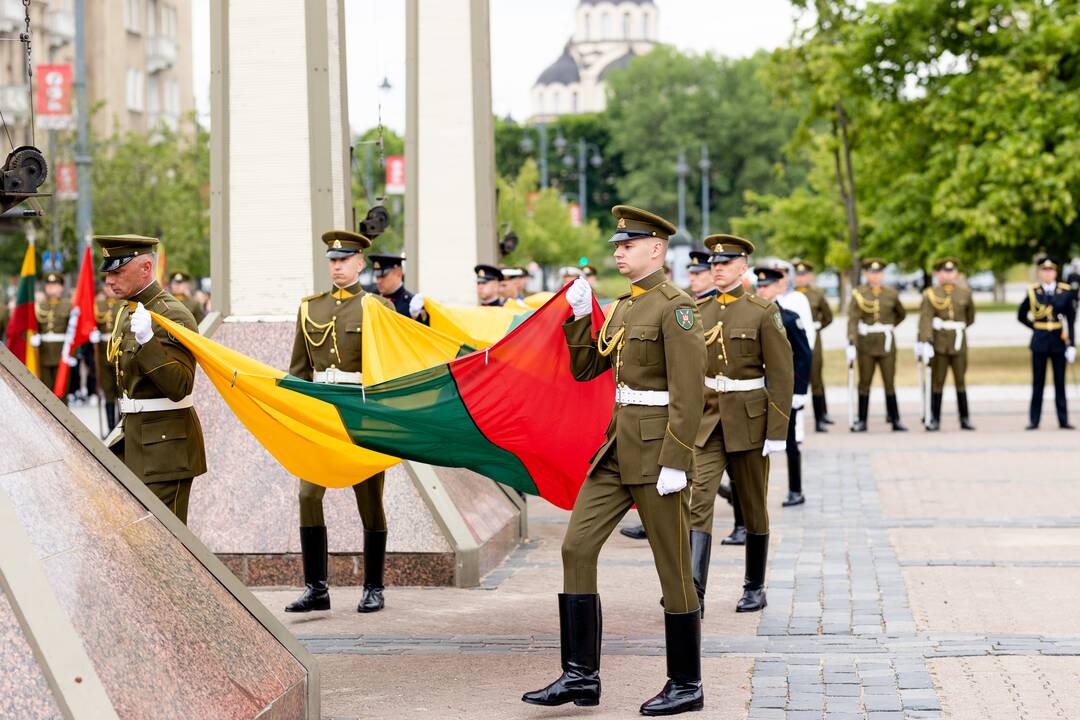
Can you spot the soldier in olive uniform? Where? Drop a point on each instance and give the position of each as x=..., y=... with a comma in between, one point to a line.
x=180, y=287
x=389, y=275
x=823, y=317
x=106, y=309
x=1049, y=309
x=162, y=438
x=488, y=278
x=652, y=341
x=53, y=314
x=947, y=311
x=327, y=350
x=749, y=386
x=873, y=315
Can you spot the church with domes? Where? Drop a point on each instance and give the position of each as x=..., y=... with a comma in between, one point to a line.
x=608, y=35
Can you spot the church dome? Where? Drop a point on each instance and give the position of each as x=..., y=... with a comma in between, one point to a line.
x=617, y=64
x=563, y=71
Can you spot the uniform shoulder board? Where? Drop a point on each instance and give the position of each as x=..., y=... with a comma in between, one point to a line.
x=671, y=292
x=1064, y=286
x=759, y=301
x=309, y=298
x=1034, y=286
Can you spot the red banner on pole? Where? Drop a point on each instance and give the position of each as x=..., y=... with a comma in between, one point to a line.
x=395, y=175
x=54, y=93
x=67, y=181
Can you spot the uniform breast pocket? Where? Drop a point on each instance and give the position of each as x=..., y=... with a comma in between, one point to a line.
x=644, y=344
x=744, y=341
x=349, y=344
x=164, y=445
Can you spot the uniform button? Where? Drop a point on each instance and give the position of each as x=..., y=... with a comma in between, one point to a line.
x=337, y=302
x=742, y=335
x=333, y=351
x=162, y=437
x=333, y=367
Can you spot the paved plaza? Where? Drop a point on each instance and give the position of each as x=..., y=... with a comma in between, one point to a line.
x=928, y=576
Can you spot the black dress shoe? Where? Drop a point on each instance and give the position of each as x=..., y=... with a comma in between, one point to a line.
x=1067, y=426
x=682, y=692
x=374, y=560
x=933, y=425
x=794, y=498
x=1032, y=426
x=737, y=536
x=580, y=626
x=820, y=426
x=372, y=600
x=634, y=533
x=757, y=555
x=858, y=426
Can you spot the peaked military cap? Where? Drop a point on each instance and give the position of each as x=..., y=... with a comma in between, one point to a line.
x=382, y=263
x=802, y=266
x=767, y=275
x=632, y=222
x=948, y=263
x=343, y=243
x=118, y=250
x=1047, y=261
x=54, y=278
x=179, y=277
x=570, y=271
x=588, y=270
x=727, y=247
x=699, y=261
x=510, y=273
x=487, y=273
x=874, y=264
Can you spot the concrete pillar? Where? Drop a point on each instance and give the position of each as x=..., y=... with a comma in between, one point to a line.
x=449, y=150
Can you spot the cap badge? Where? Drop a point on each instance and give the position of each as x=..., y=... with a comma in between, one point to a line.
x=336, y=245
x=622, y=224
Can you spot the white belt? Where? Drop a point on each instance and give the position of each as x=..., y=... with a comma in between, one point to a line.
x=333, y=376
x=627, y=396
x=958, y=325
x=53, y=337
x=129, y=406
x=725, y=384
x=876, y=328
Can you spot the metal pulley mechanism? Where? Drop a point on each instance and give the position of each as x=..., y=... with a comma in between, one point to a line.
x=22, y=174
x=374, y=224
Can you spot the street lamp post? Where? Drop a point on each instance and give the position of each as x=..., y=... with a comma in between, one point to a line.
x=681, y=171
x=527, y=147
x=583, y=160
x=704, y=164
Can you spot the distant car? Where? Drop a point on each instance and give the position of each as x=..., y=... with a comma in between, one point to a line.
x=981, y=281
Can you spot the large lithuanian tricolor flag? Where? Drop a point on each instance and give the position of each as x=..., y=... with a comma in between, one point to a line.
x=23, y=323
x=511, y=411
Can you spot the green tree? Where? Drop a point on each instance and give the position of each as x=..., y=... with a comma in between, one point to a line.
x=541, y=220
x=668, y=101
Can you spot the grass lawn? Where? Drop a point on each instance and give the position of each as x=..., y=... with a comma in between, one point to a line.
x=986, y=366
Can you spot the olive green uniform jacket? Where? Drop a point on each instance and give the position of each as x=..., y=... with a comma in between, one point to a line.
x=165, y=445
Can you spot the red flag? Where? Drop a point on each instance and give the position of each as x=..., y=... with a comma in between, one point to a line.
x=81, y=324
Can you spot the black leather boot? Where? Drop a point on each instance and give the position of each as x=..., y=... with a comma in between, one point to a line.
x=738, y=534
x=682, y=692
x=794, y=475
x=580, y=628
x=894, y=414
x=700, y=554
x=374, y=561
x=962, y=407
x=864, y=411
x=934, y=423
x=757, y=554
x=636, y=532
x=316, y=594
x=819, y=414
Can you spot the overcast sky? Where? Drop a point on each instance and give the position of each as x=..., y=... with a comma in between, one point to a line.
x=527, y=36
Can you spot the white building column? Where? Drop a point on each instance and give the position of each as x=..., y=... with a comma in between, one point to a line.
x=449, y=147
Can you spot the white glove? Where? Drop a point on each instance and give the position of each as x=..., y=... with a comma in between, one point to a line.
x=140, y=325
x=95, y=336
x=35, y=340
x=671, y=480
x=579, y=295
x=850, y=351
x=1070, y=354
x=72, y=361
x=772, y=446
x=798, y=402
x=927, y=352
x=918, y=351
x=416, y=305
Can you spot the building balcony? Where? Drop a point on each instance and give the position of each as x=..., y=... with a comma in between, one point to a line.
x=60, y=27
x=12, y=16
x=15, y=103
x=160, y=53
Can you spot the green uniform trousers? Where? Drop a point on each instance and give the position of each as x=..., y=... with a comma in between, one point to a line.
x=887, y=363
x=748, y=470
x=939, y=368
x=601, y=504
x=817, y=368
x=174, y=494
x=369, y=496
